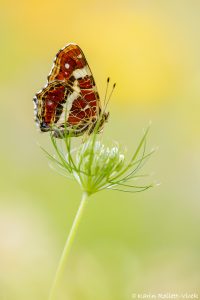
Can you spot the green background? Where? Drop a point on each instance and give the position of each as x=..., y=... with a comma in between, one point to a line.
x=127, y=243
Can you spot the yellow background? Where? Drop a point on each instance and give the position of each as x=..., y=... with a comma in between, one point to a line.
x=127, y=243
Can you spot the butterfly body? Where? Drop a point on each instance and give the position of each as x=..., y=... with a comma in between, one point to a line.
x=69, y=103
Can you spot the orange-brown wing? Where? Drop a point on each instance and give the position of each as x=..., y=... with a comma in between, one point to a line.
x=58, y=107
x=67, y=61
x=70, y=66
x=49, y=104
x=70, y=98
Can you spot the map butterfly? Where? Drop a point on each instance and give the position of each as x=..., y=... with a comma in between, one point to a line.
x=69, y=103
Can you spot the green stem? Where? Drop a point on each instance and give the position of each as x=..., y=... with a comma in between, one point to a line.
x=61, y=266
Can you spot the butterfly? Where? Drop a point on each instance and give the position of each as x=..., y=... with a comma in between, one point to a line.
x=69, y=103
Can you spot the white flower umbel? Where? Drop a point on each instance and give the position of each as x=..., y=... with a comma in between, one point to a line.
x=95, y=167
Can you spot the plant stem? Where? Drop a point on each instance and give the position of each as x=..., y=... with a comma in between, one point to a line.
x=61, y=266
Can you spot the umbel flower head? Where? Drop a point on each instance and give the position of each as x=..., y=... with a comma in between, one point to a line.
x=96, y=167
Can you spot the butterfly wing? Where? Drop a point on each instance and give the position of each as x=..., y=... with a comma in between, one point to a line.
x=49, y=104
x=59, y=107
x=70, y=99
x=70, y=65
x=67, y=60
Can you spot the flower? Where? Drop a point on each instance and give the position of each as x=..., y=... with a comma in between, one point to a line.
x=96, y=167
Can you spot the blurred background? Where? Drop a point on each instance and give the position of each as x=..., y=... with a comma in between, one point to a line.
x=127, y=243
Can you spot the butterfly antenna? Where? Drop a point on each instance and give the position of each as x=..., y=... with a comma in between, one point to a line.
x=106, y=104
x=107, y=84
